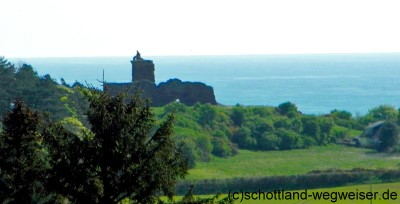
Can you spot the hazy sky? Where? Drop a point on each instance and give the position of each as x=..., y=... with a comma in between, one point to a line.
x=46, y=28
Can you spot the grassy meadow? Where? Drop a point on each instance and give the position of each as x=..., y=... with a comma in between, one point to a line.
x=292, y=162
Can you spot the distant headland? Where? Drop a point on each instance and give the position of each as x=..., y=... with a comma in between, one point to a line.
x=143, y=78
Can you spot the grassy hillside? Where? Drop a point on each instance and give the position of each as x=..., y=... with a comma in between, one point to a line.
x=291, y=162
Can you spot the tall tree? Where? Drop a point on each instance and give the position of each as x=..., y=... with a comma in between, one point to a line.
x=23, y=159
x=126, y=155
x=7, y=82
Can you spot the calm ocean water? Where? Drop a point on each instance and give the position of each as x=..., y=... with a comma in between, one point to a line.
x=315, y=83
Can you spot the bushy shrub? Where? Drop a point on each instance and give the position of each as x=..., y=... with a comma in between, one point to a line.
x=223, y=148
x=243, y=138
x=388, y=137
x=189, y=152
x=238, y=115
x=257, y=127
x=289, y=140
x=269, y=141
x=341, y=114
x=175, y=107
x=311, y=127
x=382, y=112
x=206, y=114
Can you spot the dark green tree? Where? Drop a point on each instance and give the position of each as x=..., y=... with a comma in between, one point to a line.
x=289, y=109
x=189, y=152
x=296, y=125
x=269, y=141
x=311, y=127
x=388, y=137
x=345, y=115
x=126, y=155
x=23, y=158
x=326, y=126
x=243, y=138
x=289, y=140
x=238, y=115
x=7, y=82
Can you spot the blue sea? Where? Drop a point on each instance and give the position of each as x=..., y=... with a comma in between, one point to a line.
x=317, y=84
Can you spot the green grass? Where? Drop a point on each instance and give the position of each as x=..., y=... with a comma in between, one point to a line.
x=292, y=162
x=380, y=188
x=157, y=110
x=355, y=133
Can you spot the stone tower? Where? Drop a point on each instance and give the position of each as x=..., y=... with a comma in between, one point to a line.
x=142, y=70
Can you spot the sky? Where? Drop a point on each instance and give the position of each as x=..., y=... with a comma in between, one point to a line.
x=82, y=28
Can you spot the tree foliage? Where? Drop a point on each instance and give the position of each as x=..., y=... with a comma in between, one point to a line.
x=289, y=109
x=207, y=114
x=23, y=159
x=121, y=159
x=38, y=92
x=382, y=112
x=341, y=114
x=238, y=115
x=255, y=128
x=388, y=137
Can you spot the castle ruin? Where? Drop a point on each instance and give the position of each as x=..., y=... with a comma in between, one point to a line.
x=143, y=79
x=142, y=70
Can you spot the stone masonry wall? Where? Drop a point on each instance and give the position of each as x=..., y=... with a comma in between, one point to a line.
x=188, y=93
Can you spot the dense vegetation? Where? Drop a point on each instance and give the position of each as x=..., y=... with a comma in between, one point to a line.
x=119, y=158
x=39, y=92
x=220, y=131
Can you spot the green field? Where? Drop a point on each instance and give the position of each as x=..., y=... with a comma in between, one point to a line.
x=292, y=162
x=379, y=188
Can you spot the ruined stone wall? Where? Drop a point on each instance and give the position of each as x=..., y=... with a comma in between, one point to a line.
x=188, y=93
